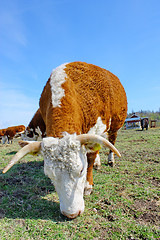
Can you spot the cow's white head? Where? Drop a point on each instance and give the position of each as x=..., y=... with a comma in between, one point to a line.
x=65, y=163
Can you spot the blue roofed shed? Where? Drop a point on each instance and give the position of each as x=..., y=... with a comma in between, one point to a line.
x=133, y=122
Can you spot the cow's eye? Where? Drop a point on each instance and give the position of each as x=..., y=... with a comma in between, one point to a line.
x=81, y=172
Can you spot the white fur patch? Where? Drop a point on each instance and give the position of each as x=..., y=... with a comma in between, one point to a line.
x=38, y=131
x=58, y=77
x=62, y=153
x=98, y=128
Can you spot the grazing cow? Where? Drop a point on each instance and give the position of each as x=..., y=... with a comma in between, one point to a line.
x=79, y=102
x=36, y=128
x=2, y=137
x=144, y=123
x=14, y=131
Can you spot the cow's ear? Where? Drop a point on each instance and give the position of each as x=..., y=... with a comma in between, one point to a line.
x=23, y=143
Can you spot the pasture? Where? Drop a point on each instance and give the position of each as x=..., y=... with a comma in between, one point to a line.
x=125, y=203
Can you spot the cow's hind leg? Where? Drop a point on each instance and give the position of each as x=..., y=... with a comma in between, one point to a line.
x=91, y=156
x=112, y=138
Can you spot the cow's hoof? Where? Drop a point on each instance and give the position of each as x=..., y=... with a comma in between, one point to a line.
x=111, y=164
x=97, y=167
x=88, y=191
x=111, y=161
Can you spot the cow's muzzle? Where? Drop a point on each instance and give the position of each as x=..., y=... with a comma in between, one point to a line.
x=71, y=216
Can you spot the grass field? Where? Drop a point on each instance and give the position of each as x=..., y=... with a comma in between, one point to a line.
x=125, y=203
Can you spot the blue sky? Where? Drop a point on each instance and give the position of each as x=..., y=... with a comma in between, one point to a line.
x=36, y=36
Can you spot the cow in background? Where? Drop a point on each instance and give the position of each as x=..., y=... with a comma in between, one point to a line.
x=36, y=128
x=14, y=131
x=144, y=123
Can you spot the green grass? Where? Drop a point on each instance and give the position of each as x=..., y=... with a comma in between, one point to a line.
x=125, y=203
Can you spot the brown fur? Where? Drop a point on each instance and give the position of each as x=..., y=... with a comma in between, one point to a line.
x=91, y=158
x=2, y=131
x=90, y=92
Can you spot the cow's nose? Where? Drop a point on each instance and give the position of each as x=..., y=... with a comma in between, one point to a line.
x=73, y=215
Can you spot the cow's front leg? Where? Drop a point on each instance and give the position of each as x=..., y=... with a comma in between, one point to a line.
x=89, y=180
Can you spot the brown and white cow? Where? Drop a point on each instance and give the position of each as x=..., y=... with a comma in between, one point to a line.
x=79, y=102
x=36, y=129
x=14, y=131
